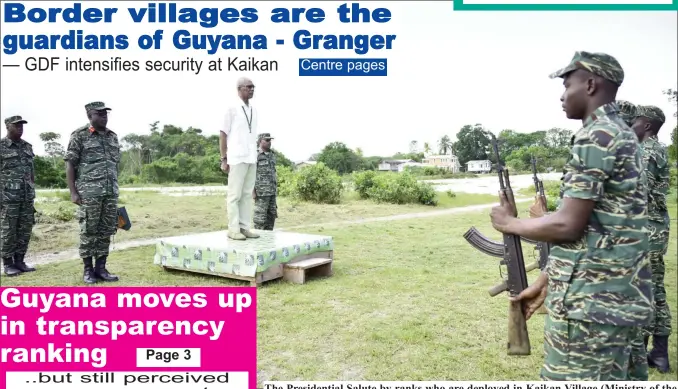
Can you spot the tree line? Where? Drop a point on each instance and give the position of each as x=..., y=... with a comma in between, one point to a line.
x=175, y=155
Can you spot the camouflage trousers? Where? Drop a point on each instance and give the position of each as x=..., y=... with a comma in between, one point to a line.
x=661, y=324
x=265, y=212
x=638, y=368
x=98, y=219
x=584, y=351
x=16, y=224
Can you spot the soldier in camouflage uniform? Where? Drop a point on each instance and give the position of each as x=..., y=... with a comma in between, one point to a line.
x=638, y=367
x=597, y=285
x=648, y=122
x=92, y=161
x=17, y=194
x=627, y=112
x=266, y=186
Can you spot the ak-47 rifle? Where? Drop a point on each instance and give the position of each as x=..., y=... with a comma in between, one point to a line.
x=512, y=253
x=540, y=198
x=544, y=248
x=496, y=249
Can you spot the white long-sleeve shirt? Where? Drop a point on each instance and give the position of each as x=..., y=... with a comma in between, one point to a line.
x=241, y=140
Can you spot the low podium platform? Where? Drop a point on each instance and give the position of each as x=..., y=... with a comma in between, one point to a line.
x=273, y=255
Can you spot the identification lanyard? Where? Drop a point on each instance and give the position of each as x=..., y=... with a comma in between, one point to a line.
x=248, y=118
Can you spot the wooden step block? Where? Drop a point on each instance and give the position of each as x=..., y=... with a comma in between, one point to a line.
x=298, y=272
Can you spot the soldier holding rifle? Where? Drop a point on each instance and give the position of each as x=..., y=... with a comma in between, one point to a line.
x=598, y=276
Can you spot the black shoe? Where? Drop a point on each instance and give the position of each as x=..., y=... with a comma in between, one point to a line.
x=9, y=267
x=101, y=272
x=21, y=265
x=659, y=356
x=88, y=275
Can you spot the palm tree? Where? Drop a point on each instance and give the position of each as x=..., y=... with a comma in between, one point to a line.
x=444, y=145
x=427, y=148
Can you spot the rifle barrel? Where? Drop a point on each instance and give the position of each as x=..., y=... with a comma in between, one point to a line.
x=534, y=174
x=500, y=168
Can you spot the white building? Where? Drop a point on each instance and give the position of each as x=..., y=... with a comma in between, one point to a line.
x=479, y=166
x=394, y=165
x=301, y=164
x=449, y=162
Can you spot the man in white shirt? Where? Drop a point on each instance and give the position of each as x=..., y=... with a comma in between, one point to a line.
x=238, y=145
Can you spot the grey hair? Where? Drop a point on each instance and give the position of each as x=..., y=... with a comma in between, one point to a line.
x=242, y=81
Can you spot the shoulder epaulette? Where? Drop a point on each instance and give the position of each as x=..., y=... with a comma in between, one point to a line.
x=85, y=127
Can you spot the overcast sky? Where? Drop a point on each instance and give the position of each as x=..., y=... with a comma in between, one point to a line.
x=446, y=69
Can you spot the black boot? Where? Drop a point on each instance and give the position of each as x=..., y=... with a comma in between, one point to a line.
x=10, y=268
x=101, y=272
x=88, y=275
x=659, y=356
x=21, y=265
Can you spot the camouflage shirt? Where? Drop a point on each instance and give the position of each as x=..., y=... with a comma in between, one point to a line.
x=17, y=172
x=656, y=163
x=266, y=183
x=604, y=277
x=95, y=157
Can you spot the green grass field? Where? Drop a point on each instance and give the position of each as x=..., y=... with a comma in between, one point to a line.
x=408, y=301
x=156, y=215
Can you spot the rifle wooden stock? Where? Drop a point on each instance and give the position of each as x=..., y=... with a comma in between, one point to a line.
x=503, y=287
x=540, y=197
x=541, y=207
x=542, y=193
x=518, y=338
x=508, y=191
x=123, y=219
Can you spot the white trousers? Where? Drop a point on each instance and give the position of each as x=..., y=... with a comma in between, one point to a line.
x=239, y=201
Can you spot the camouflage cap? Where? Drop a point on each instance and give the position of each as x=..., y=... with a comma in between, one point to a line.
x=627, y=111
x=601, y=64
x=15, y=119
x=96, y=106
x=264, y=135
x=652, y=112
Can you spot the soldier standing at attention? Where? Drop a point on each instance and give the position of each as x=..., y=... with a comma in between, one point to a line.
x=638, y=366
x=598, y=276
x=17, y=187
x=648, y=121
x=266, y=186
x=92, y=161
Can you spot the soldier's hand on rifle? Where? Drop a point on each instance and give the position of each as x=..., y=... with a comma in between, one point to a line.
x=75, y=198
x=502, y=214
x=536, y=209
x=532, y=297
